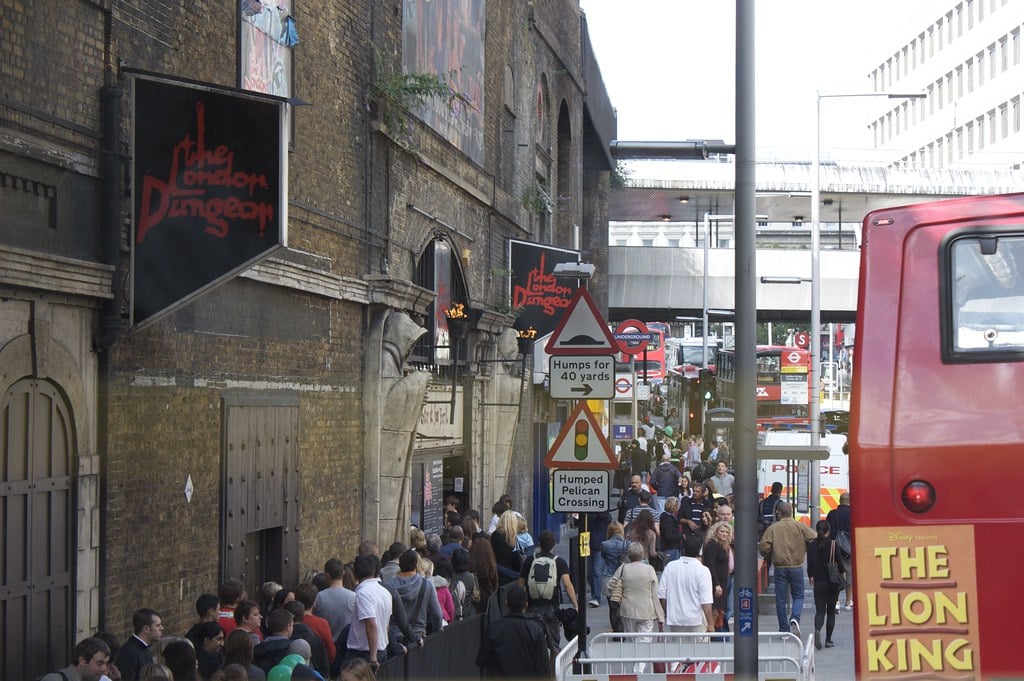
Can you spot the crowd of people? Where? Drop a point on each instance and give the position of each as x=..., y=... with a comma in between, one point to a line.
x=676, y=506
x=664, y=561
x=344, y=621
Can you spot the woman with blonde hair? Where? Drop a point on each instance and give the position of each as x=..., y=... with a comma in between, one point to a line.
x=503, y=541
x=717, y=558
x=524, y=540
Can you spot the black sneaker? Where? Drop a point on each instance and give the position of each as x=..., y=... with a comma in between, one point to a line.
x=817, y=640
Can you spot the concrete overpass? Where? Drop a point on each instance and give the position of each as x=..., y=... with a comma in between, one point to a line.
x=651, y=283
x=655, y=255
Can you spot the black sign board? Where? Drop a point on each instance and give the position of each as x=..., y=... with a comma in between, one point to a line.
x=535, y=292
x=433, y=496
x=210, y=189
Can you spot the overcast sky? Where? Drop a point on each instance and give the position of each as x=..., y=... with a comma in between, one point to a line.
x=669, y=66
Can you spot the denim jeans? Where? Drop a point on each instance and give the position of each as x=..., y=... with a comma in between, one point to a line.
x=595, y=577
x=788, y=581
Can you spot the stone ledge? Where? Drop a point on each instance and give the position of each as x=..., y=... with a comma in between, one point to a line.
x=55, y=273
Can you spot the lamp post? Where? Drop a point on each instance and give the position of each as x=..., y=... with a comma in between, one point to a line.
x=814, y=376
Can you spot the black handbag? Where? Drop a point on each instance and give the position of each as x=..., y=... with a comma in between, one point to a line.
x=568, y=618
x=836, y=578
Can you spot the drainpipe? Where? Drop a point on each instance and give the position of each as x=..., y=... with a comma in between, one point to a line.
x=111, y=177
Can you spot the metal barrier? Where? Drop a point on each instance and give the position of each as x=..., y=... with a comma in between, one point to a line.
x=660, y=655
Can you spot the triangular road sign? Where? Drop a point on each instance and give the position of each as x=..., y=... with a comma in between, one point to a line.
x=581, y=444
x=582, y=330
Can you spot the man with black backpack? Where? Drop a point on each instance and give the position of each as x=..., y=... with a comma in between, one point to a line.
x=542, y=574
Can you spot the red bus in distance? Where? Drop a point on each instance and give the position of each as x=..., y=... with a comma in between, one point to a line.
x=782, y=388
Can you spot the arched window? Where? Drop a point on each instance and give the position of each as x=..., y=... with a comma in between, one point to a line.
x=439, y=270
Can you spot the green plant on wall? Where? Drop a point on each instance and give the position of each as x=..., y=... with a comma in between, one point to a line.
x=621, y=176
x=397, y=94
x=537, y=199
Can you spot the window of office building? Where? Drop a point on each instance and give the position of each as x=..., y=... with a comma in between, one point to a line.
x=1004, y=56
x=1015, y=45
x=959, y=81
x=992, y=126
x=970, y=75
x=981, y=132
x=970, y=14
x=981, y=68
x=959, y=144
x=970, y=137
x=1004, y=122
x=992, y=61
x=1015, y=113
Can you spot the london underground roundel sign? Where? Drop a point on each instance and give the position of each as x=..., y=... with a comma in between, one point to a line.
x=637, y=336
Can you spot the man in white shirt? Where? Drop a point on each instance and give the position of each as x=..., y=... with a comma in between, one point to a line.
x=685, y=591
x=368, y=634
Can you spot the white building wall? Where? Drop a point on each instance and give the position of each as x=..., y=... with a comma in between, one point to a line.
x=968, y=57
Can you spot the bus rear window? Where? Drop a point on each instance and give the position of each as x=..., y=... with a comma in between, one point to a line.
x=986, y=302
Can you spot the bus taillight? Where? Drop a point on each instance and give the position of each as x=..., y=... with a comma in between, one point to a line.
x=918, y=496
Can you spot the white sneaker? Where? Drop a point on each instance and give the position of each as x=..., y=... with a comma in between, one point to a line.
x=838, y=608
x=593, y=603
x=794, y=627
x=848, y=606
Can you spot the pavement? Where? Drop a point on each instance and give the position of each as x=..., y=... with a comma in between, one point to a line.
x=831, y=664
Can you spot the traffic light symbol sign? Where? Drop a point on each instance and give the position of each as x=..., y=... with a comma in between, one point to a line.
x=581, y=440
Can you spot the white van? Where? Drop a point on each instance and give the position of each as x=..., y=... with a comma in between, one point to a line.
x=835, y=471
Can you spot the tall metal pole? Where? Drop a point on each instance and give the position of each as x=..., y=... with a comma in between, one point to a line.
x=813, y=379
x=704, y=311
x=745, y=444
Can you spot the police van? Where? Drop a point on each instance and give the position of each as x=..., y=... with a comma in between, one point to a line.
x=834, y=471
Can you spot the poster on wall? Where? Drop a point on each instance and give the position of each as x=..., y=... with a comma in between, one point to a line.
x=210, y=185
x=534, y=291
x=446, y=38
x=433, y=496
x=917, y=595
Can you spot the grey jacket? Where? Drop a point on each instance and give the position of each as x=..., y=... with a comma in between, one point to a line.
x=427, y=618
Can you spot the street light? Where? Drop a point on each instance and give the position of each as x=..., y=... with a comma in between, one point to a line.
x=814, y=375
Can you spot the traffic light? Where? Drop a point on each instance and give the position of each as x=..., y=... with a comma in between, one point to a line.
x=581, y=440
x=694, y=407
x=709, y=391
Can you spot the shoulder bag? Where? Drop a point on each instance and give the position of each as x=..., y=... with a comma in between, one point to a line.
x=615, y=586
x=835, y=577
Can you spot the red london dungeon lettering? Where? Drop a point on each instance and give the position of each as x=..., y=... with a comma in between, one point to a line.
x=203, y=183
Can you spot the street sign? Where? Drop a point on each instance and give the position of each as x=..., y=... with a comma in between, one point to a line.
x=624, y=389
x=581, y=491
x=622, y=431
x=633, y=336
x=582, y=377
x=582, y=330
x=581, y=444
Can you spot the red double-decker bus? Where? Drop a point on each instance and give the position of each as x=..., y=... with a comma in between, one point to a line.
x=783, y=392
x=937, y=440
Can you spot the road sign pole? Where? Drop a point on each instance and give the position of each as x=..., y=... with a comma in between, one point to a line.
x=636, y=416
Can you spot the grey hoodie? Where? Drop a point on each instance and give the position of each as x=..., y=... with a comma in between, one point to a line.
x=428, y=618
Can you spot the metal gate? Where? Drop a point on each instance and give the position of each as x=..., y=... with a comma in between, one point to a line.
x=37, y=454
